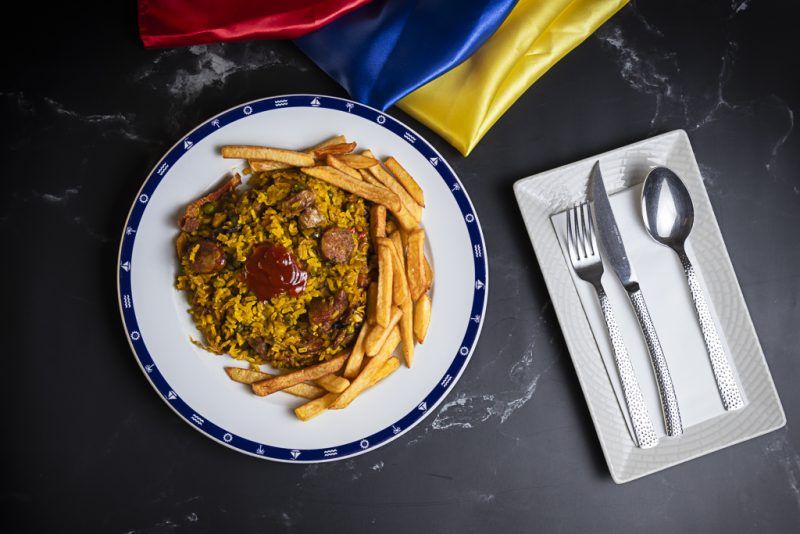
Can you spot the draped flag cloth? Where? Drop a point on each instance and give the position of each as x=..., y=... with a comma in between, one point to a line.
x=189, y=22
x=463, y=104
x=454, y=66
x=384, y=50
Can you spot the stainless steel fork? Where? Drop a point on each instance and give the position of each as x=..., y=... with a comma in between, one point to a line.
x=586, y=262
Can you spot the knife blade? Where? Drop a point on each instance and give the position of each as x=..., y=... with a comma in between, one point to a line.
x=609, y=232
x=615, y=253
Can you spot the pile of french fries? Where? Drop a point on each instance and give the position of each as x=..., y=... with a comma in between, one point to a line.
x=398, y=304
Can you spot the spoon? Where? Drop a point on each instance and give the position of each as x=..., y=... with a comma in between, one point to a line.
x=668, y=215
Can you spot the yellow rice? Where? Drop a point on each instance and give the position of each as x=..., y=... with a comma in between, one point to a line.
x=229, y=315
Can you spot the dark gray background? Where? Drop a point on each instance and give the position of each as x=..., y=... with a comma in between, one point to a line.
x=89, y=447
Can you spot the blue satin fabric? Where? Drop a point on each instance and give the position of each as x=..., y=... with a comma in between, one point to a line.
x=384, y=50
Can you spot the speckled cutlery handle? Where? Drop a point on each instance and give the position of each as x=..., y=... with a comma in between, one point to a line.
x=723, y=374
x=643, y=429
x=669, y=401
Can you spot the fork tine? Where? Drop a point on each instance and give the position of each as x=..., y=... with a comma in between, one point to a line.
x=571, y=245
x=587, y=233
x=592, y=233
x=579, y=234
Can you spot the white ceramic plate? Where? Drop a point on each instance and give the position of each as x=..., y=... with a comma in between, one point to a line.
x=541, y=198
x=192, y=381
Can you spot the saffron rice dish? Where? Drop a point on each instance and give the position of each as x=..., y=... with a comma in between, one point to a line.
x=315, y=267
x=296, y=212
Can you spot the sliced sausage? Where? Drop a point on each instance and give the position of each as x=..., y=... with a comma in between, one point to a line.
x=323, y=312
x=295, y=204
x=209, y=258
x=310, y=344
x=337, y=244
x=343, y=339
x=311, y=218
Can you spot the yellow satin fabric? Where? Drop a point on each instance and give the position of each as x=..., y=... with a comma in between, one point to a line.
x=462, y=104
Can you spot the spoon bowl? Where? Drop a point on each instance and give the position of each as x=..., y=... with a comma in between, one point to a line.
x=667, y=208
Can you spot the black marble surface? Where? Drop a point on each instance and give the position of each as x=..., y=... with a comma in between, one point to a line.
x=88, y=446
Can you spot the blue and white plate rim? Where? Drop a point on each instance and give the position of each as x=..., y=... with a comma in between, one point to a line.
x=263, y=450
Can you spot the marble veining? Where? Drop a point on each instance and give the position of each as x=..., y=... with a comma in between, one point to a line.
x=740, y=5
x=647, y=68
x=648, y=65
x=782, y=451
x=211, y=66
x=168, y=525
x=61, y=198
x=44, y=107
x=780, y=142
x=474, y=403
x=349, y=470
x=470, y=409
x=63, y=202
x=121, y=122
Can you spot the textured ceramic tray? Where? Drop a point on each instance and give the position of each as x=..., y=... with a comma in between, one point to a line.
x=542, y=196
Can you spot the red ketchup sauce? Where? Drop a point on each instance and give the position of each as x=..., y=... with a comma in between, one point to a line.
x=271, y=270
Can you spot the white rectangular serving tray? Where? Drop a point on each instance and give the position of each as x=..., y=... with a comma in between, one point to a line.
x=543, y=196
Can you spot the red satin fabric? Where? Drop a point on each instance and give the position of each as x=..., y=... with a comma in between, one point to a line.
x=187, y=22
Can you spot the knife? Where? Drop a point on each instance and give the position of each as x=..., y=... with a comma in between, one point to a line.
x=614, y=250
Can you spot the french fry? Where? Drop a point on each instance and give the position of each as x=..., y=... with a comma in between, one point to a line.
x=384, y=302
x=415, y=263
x=407, y=218
x=428, y=274
x=356, y=357
x=245, y=376
x=407, y=331
x=261, y=165
x=279, y=382
x=402, y=215
x=340, y=148
x=404, y=238
x=266, y=165
x=377, y=223
x=373, y=193
x=333, y=383
x=364, y=378
x=384, y=177
x=367, y=177
x=316, y=407
x=248, y=376
x=398, y=245
x=359, y=161
x=372, y=302
x=306, y=391
x=406, y=180
x=292, y=157
x=338, y=164
x=399, y=282
x=377, y=334
x=388, y=368
x=336, y=140
x=422, y=317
